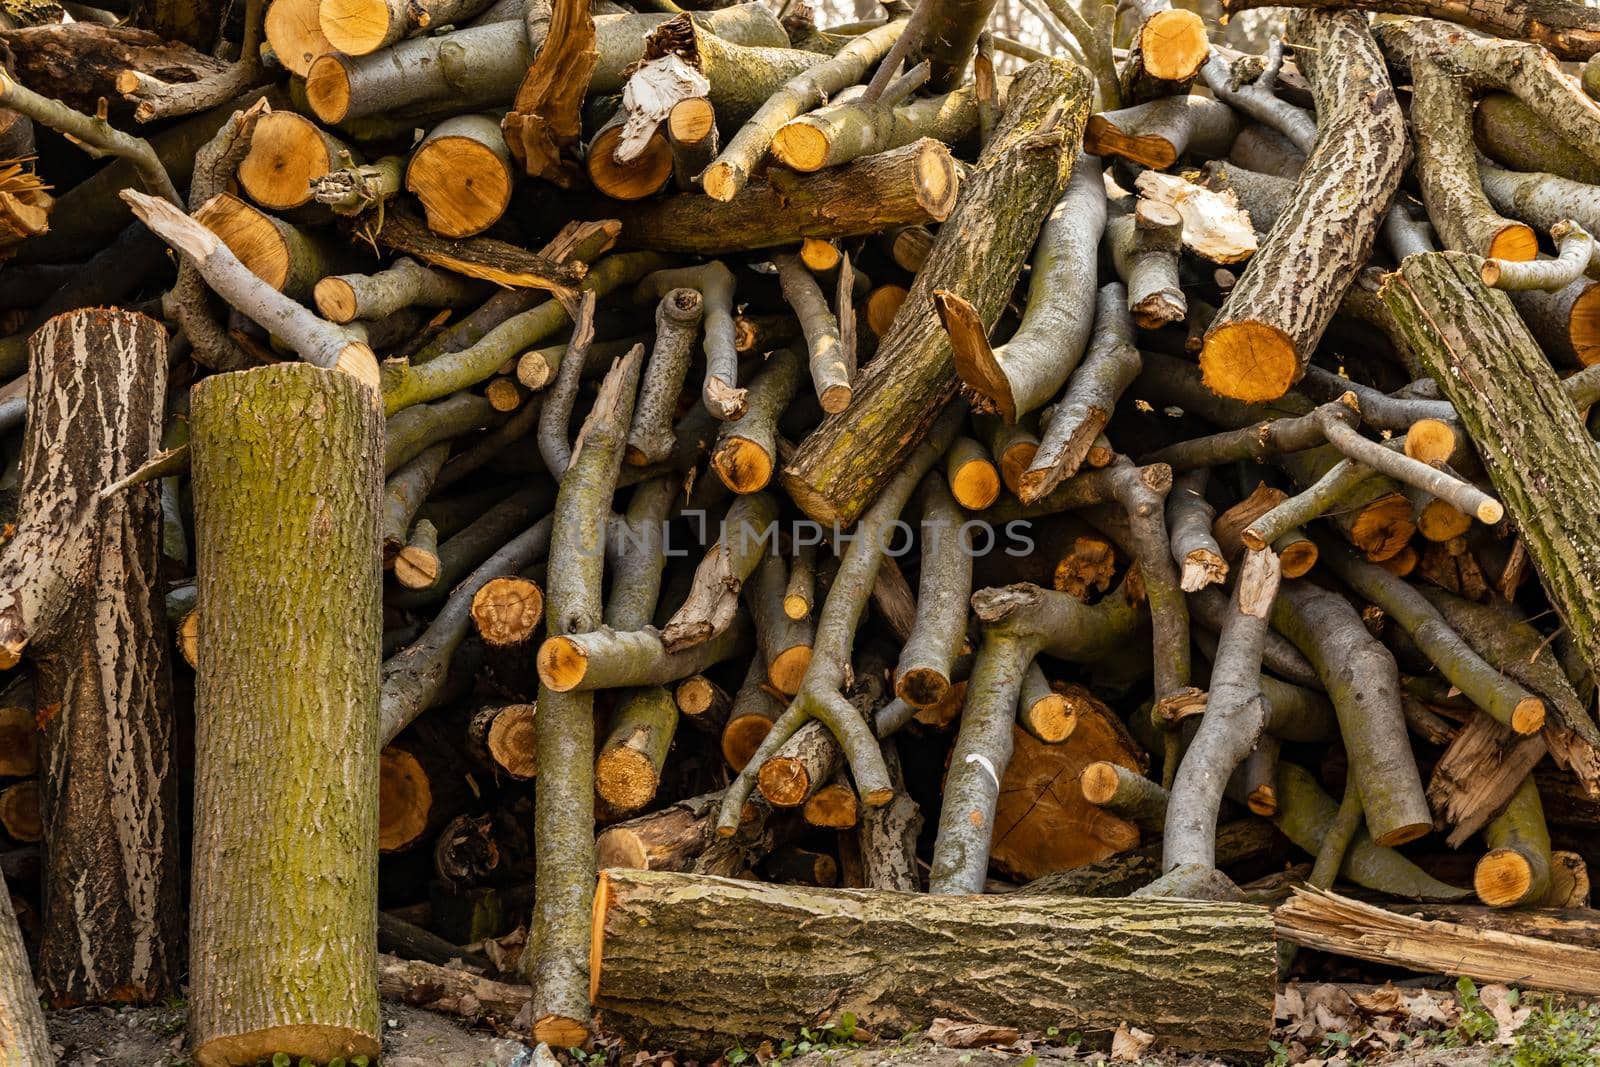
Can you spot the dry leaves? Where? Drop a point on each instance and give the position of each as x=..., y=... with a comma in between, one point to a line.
x=953, y=1034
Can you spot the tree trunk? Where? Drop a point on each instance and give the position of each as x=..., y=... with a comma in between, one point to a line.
x=840, y=467
x=702, y=963
x=81, y=594
x=1263, y=336
x=23, y=1038
x=287, y=483
x=1534, y=446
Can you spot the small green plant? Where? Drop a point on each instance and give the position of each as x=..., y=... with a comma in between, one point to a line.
x=1552, y=1037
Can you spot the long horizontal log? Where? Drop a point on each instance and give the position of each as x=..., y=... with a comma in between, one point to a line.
x=700, y=963
x=907, y=186
x=1571, y=31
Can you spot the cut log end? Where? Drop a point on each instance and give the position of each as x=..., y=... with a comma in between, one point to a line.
x=784, y=782
x=559, y=1031
x=1514, y=242
x=21, y=815
x=506, y=611
x=415, y=567
x=328, y=88
x=636, y=179
x=975, y=484
x=722, y=181
x=295, y=34
x=356, y=27
x=511, y=741
x=1384, y=527
x=1263, y=800
x=286, y=152
x=741, y=737
x=19, y=742
x=189, y=639
x=883, y=304
x=1583, y=326
x=1174, y=44
x=250, y=236
x=625, y=778
x=1528, y=716
x=801, y=146
x=1102, y=137
x=1503, y=878
x=335, y=299
x=1051, y=719
x=833, y=807
x=744, y=465
x=787, y=669
x=1432, y=441
x=505, y=394
x=695, y=696
x=1297, y=558
x=1249, y=361
x=936, y=180
x=463, y=184
x=819, y=255
x=921, y=687
x=562, y=664
x=1099, y=782
x=317, y=1043
x=405, y=798
x=691, y=120
x=796, y=607
x=835, y=398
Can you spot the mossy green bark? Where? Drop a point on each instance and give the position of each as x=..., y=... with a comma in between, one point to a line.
x=288, y=464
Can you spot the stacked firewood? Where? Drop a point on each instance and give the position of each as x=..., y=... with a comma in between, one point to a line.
x=459, y=447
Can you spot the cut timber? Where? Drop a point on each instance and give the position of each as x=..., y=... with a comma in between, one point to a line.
x=287, y=258
x=294, y=34
x=1533, y=442
x=482, y=66
x=1196, y=975
x=357, y=27
x=1516, y=869
x=21, y=815
x=462, y=174
x=979, y=252
x=1331, y=923
x=287, y=468
x=22, y=1028
x=643, y=175
x=840, y=132
x=908, y=186
x=1042, y=823
x=1156, y=133
x=1169, y=48
x=1569, y=30
x=746, y=452
x=287, y=153
x=80, y=589
x=19, y=740
x=1262, y=338
x=506, y=736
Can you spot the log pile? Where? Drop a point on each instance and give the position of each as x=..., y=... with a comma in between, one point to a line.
x=577, y=493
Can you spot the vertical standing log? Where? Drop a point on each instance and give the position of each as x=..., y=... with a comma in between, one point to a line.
x=23, y=1038
x=1532, y=439
x=288, y=477
x=978, y=254
x=78, y=588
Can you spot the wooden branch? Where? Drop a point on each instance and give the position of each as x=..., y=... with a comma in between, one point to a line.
x=841, y=466
x=1261, y=340
x=543, y=127
x=1570, y=31
x=320, y=343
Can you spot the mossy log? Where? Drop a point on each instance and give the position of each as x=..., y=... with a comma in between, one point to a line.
x=287, y=471
x=1197, y=976
x=978, y=254
x=79, y=586
x=1261, y=340
x=1532, y=440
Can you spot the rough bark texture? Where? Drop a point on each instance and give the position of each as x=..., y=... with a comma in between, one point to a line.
x=1569, y=30
x=287, y=483
x=701, y=963
x=81, y=591
x=908, y=186
x=1532, y=440
x=978, y=254
x=1263, y=336
x=24, y=1042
